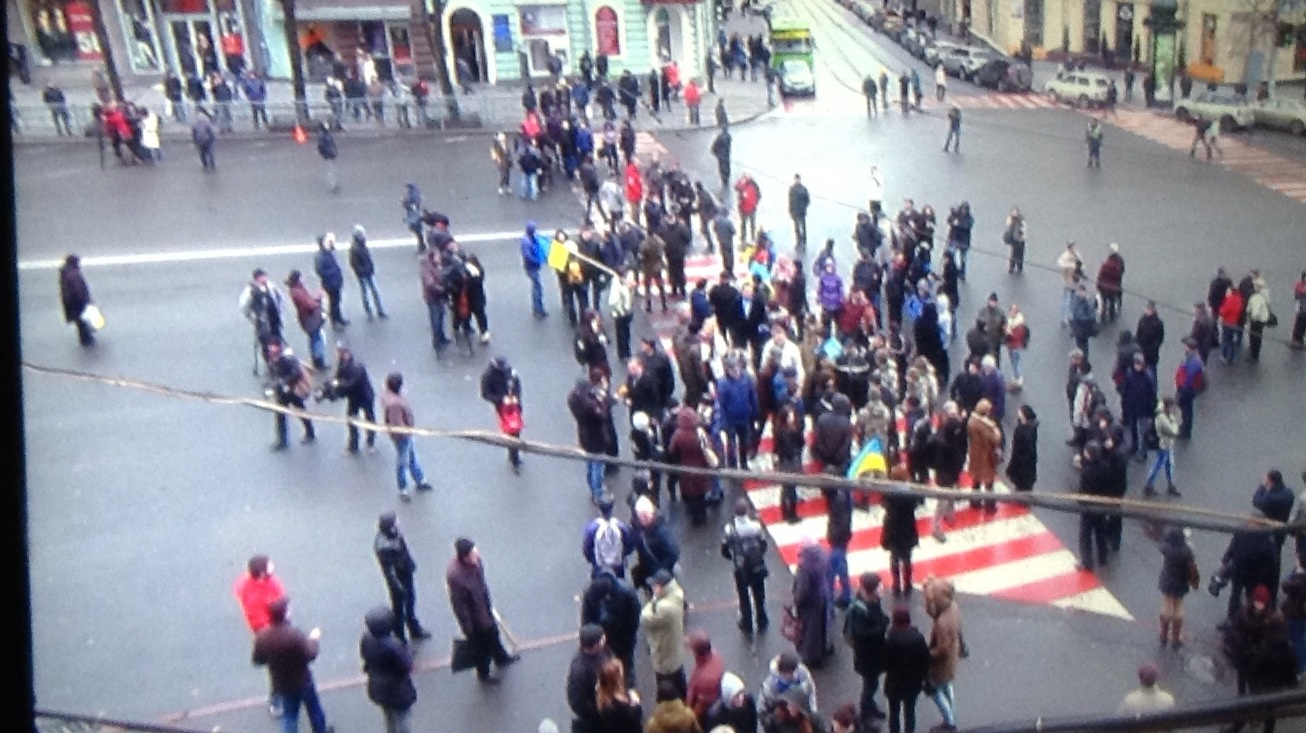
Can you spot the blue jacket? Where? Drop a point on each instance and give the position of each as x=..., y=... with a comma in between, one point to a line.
x=699, y=306
x=531, y=256
x=995, y=389
x=255, y=90
x=1276, y=503
x=1137, y=394
x=736, y=399
x=328, y=268
x=584, y=140
x=580, y=94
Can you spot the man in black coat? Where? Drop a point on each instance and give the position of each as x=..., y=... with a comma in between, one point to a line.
x=583, y=678
x=352, y=383
x=287, y=652
x=832, y=443
x=1094, y=480
x=388, y=664
x=613, y=605
x=398, y=567
x=724, y=297
x=591, y=406
x=1150, y=334
x=799, y=200
x=76, y=295
x=657, y=363
x=642, y=391
x=906, y=660
x=864, y=629
x=679, y=238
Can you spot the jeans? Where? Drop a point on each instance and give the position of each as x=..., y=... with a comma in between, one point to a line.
x=1137, y=428
x=737, y=445
x=1092, y=529
x=206, y=156
x=406, y=462
x=954, y=137
x=594, y=477
x=622, y=324
x=1297, y=635
x=747, y=226
x=1164, y=459
x=537, y=292
x=435, y=309
x=839, y=571
x=364, y=285
x=396, y=721
x=1067, y=297
x=290, y=399
x=334, y=305
x=1231, y=339
x=800, y=230
x=945, y=699
x=290, y=702
x=530, y=186
x=259, y=110
x=317, y=347
x=1016, y=356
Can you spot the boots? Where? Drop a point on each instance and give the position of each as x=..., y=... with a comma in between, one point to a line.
x=1165, y=630
x=1176, y=626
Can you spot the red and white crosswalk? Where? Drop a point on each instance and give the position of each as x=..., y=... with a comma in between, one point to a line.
x=850, y=105
x=1010, y=555
x=1268, y=169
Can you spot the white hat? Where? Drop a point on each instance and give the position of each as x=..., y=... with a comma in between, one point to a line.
x=548, y=726
x=644, y=505
x=639, y=421
x=1113, y=247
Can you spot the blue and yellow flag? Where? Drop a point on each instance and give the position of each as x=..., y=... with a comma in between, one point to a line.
x=869, y=460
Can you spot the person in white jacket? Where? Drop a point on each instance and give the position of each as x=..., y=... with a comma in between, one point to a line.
x=621, y=301
x=1069, y=263
x=150, y=136
x=940, y=82
x=876, y=193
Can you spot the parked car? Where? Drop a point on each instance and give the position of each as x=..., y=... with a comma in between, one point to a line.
x=978, y=57
x=796, y=79
x=1231, y=110
x=1079, y=88
x=913, y=42
x=863, y=10
x=1004, y=75
x=934, y=50
x=1282, y=114
x=954, y=61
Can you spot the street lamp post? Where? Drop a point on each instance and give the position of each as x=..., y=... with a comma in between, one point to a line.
x=435, y=33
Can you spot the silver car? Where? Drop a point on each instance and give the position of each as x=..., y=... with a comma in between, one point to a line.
x=1282, y=114
x=935, y=50
x=978, y=57
x=954, y=60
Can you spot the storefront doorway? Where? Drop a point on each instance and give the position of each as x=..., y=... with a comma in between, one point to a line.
x=467, y=35
x=192, y=40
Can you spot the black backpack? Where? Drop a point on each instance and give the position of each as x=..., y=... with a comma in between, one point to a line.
x=748, y=552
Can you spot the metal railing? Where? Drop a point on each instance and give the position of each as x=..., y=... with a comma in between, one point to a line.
x=490, y=111
x=48, y=721
x=1279, y=705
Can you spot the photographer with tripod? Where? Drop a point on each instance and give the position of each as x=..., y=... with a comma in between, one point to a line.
x=352, y=384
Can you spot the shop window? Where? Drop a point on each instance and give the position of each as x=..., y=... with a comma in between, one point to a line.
x=543, y=20
x=54, y=39
x=1034, y=22
x=607, y=31
x=138, y=26
x=1299, y=50
x=184, y=7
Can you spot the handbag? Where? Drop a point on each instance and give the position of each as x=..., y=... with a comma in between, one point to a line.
x=464, y=656
x=791, y=627
x=1194, y=575
x=92, y=317
x=713, y=460
x=1272, y=321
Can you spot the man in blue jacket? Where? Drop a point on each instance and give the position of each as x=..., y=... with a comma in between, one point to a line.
x=332, y=277
x=737, y=407
x=532, y=259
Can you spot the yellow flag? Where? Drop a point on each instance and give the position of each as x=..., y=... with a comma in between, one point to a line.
x=558, y=255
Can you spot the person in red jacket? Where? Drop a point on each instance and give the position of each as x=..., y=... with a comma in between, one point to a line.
x=693, y=97
x=255, y=591
x=1231, y=333
x=749, y=196
x=1110, y=283
x=634, y=189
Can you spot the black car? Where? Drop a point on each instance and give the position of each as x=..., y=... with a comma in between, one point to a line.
x=1004, y=75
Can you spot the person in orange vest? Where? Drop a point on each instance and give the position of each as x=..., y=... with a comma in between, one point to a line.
x=255, y=592
x=692, y=99
x=749, y=196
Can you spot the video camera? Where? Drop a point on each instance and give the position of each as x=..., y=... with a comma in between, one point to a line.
x=329, y=392
x=1219, y=580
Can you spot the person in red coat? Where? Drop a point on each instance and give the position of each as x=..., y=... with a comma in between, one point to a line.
x=634, y=189
x=686, y=449
x=693, y=97
x=256, y=590
x=1110, y=283
x=749, y=196
x=1231, y=332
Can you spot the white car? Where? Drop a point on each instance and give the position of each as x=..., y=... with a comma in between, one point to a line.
x=935, y=51
x=1232, y=111
x=977, y=58
x=796, y=79
x=1282, y=113
x=1079, y=88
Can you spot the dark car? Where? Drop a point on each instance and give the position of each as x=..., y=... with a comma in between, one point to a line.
x=1004, y=75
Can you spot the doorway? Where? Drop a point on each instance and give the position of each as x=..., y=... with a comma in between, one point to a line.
x=667, y=36
x=467, y=36
x=1124, y=30
x=193, y=40
x=1092, y=26
x=1206, y=50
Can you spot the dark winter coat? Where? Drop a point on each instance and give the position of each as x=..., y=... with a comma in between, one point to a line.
x=1252, y=558
x=811, y=594
x=387, y=662
x=1149, y=335
x=1176, y=555
x=613, y=604
x=906, y=660
x=469, y=596
x=839, y=527
x=591, y=411
x=737, y=399
x=832, y=443
x=582, y=679
x=360, y=258
x=686, y=450
x=286, y=651
x=742, y=719
x=656, y=547
x=73, y=291
x=899, y=535
x=948, y=451
x=1137, y=394
x=353, y=384
x=864, y=628
x=1022, y=466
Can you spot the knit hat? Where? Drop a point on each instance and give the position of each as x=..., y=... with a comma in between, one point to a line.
x=1147, y=675
x=901, y=618
x=463, y=547
x=359, y=231
x=547, y=726
x=644, y=505
x=386, y=520
x=731, y=685
x=590, y=634
x=1261, y=595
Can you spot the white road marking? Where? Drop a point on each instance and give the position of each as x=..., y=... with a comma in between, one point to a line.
x=994, y=578
x=1098, y=600
x=236, y=253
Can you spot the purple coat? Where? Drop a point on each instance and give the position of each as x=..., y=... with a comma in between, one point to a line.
x=995, y=389
x=812, y=602
x=829, y=291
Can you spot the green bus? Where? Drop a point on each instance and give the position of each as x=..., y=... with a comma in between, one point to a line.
x=793, y=55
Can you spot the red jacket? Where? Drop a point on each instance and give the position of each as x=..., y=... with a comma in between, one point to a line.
x=255, y=595
x=1231, y=310
x=634, y=184
x=748, y=196
x=692, y=95
x=850, y=316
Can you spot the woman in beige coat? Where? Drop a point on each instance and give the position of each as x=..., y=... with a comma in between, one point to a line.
x=945, y=646
x=984, y=443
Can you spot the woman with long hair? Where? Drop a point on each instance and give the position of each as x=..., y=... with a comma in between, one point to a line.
x=618, y=705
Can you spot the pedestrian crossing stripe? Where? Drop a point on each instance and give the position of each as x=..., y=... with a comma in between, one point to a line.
x=848, y=105
x=1267, y=169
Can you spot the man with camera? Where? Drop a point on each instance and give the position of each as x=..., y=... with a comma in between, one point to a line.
x=291, y=385
x=351, y=384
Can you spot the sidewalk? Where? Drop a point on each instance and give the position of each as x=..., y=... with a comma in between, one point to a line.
x=487, y=108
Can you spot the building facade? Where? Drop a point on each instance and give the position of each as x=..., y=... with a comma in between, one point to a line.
x=1219, y=40
x=495, y=40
